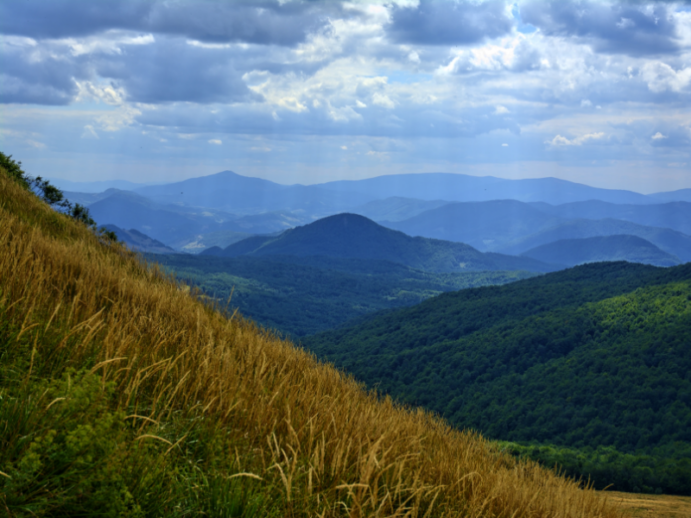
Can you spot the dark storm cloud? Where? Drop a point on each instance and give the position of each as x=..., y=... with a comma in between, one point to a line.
x=27, y=76
x=169, y=71
x=448, y=23
x=250, y=21
x=622, y=28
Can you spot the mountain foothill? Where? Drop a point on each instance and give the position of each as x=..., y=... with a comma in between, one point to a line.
x=551, y=316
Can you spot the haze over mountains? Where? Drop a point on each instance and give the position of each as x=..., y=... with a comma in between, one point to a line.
x=489, y=214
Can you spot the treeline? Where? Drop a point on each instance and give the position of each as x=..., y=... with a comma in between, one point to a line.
x=52, y=195
x=606, y=467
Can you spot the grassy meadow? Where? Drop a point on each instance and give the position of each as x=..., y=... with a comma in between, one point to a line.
x=652, y=506
x=123, y=394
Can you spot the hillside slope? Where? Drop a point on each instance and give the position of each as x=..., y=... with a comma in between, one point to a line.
x=598, y=355
x=354, y=236
x=572, y=252
x=124, y=395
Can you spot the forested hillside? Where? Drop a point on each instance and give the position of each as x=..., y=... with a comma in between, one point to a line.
x=299, y=296
x=598, y=355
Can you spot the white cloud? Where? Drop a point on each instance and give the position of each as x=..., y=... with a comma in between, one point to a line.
x=558, y=140
x=660, y=77
x=89, y=132
x=215, y=141
x=101, y=92
x=383, y=100
x=658, y=136
x=36, y=144
x=501, y=110
x=504, y=145
x=118, y=119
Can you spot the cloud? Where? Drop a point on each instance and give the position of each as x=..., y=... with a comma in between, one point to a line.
x=36, y=144
x=89, y=132
x=33, y=74
x=267, y=22
x=661, y=77
x=611, y=27
x=432, y=22
x=514, y=53
x=216, y=142
x=172, y=70
x=674, y=137
x=558, y=140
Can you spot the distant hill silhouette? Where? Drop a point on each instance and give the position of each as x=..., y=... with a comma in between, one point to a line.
x=396, y=208
x=680, y=195
x=135, y=240
x=487, y=225
x=670, y=241
x=675, y=215
x=572, y=252
x=354, y=236
x=126, y=209
x=460, y=187
x=230, y=191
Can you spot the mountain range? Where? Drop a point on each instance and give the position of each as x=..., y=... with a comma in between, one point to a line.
x=503, y=216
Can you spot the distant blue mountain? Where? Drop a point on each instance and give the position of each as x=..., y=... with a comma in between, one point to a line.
x=572, y=252
x=236, y=193
x=356, y=237
x=92, y=187
x=460, y=187
x=396, y=208
x=135, y=240
x=668, y=240
x=129, y=210
x=486, y=225
x=680, y=195
x=674, y=215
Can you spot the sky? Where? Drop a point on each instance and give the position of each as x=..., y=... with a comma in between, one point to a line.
x=305, y=91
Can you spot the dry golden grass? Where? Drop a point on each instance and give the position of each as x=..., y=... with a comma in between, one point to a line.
x=334, y=448
x=651, y=506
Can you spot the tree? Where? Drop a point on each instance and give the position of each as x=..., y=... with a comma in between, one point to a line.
x=53, y=196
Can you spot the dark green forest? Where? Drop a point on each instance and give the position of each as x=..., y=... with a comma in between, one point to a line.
x=595, y=356
x=304, y=295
